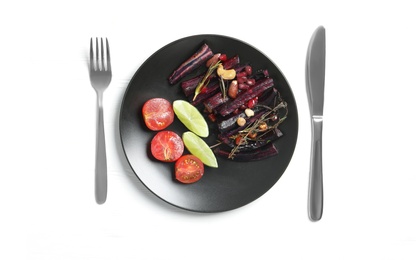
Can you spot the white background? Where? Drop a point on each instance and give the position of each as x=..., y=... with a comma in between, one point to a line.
x=47, y=106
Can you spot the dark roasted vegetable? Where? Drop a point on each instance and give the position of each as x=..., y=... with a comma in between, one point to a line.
x=253, y=155
x=266, y=99
x=206, y=93
x=254, y=131
x=260, y=74
x=225, y=136
x=231, y=62
x=242, y=98
x=206, y=79
x=259, y=142
x=215, y=101
x=188, y=86
x=200, y=57
x=229, y=124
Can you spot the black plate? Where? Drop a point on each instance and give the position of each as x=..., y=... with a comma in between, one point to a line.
x=232, y=184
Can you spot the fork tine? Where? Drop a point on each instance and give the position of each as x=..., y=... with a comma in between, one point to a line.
x=108, y=55
x=91, y=56
x=102, y=55
x=97, y=56
x=99, y=61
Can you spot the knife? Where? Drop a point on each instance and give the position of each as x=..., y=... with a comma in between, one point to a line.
x=315, y=82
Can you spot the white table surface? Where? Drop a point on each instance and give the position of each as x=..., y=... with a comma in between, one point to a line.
x=48, y=120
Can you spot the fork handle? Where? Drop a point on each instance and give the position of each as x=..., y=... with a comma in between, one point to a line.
x=101, y=158
x=315, y=204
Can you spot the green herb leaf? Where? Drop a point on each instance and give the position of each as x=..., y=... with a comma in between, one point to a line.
x=205, y=79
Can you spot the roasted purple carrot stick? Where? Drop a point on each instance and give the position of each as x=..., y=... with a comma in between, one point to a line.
x=255, y=91
x=248, y=156
x=196, y=60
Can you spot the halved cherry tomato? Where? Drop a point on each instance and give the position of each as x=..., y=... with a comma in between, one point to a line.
x=157, y=113
x=189, y=169
x=167, y=146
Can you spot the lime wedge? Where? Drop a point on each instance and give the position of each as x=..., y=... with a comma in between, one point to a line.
x=200, y=149
x=191, y=117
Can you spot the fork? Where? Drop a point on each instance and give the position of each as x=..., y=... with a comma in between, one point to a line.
x=100, y=77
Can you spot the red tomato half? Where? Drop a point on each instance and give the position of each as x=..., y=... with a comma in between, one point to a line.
x=157, y=113
x=189, y=169
x=167, y=146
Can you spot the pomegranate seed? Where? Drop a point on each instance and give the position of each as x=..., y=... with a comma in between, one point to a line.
x=223, y=57
x=252, y=102
x=248, y=70
x=241, y=74
x=251, y=82
x=203, y=90
x=241, y=79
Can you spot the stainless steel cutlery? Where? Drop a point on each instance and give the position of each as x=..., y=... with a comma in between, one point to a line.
x=315, y=83
x=100, y=77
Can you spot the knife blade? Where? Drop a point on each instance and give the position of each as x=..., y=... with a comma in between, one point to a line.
x=315, y=84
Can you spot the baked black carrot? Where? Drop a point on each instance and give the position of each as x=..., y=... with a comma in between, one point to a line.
x=256, y=90
x=197, y=59
x=248, y=156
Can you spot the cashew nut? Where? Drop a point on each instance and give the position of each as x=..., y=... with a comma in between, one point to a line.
x=226, y=74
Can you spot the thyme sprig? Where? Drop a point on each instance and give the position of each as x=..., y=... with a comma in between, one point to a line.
x=205, y=80
x=254, y=127
x=223, y=88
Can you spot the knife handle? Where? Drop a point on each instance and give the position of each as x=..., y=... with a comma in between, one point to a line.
x=315, y=204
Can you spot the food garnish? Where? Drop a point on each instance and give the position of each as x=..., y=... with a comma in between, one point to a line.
x=191, y=117
x=200, y=149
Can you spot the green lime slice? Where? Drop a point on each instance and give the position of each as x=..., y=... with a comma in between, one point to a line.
x=200, y=149
x=191, y=117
